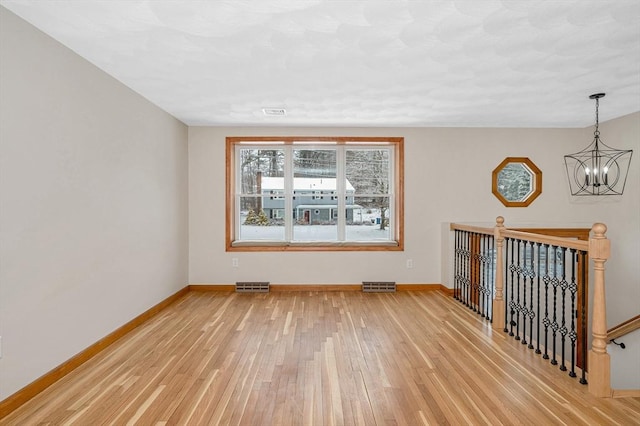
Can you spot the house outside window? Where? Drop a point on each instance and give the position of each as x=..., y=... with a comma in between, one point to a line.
x=314, y=193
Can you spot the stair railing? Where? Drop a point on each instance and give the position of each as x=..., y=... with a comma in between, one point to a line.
x=534, y=287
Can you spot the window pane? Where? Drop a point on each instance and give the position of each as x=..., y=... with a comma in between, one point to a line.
x=368, y=170
x=315, y=199
x=368, y=219
x=260, y=220
x=254, y=163
x=314, y=163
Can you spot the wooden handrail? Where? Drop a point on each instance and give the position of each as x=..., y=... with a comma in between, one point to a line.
x=547, y=239
x=471, y=228
x=541, y=235
x=632, y=324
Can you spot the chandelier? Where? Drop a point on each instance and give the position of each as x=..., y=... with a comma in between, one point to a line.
x=598, y=169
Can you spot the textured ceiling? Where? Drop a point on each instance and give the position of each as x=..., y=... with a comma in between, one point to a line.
x=507, y=63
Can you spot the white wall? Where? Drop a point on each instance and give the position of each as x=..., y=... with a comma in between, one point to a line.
x=447, y=179
x=93, y=207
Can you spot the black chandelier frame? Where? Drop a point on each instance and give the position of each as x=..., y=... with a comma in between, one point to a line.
x=598, y=169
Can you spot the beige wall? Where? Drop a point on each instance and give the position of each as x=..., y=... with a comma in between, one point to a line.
x=93, y=207
x=448, y=179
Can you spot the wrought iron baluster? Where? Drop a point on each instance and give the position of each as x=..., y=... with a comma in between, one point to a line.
x=512, y=303
x=538, y=351
x=518, y=307
x=469, y=276
x=485, y=278
x=532, y=314
x=481, y=277
x=573, y=288
x=492, y=279
x=563, y=329
x=456, y=259
x=546, y=321
x=505, y=283
x=525, y=274
x=465, y=259
x=554, y=325
x=474, y=273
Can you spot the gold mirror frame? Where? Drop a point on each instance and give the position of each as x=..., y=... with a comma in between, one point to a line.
x=536, y=176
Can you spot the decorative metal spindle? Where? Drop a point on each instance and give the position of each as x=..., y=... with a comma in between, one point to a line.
x=481, y=278
x=479, y=285
x=456, y=271
x=470, y=275
x=583, y=316
x=512, y=303
x=474, y=273
x=532, y=274
x=554, y=325
x=462, y=267
x=563, y=329
x=465, y=282
x=505, y=283
x=485, y=276
x=538, y=351
x=525, y=274
x=517, y=306
x=492, y=279
x=546, y=321
x=469, y=262
x=572, y=334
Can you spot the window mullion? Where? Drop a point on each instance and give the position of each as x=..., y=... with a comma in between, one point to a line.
x=288, y=193
x=341, y=191
x=392, y=194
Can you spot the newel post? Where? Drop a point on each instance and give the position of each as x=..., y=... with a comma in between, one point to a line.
x=599, y=361
x=498, y=301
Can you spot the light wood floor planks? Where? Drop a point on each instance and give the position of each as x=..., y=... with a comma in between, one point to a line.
x=319, y=358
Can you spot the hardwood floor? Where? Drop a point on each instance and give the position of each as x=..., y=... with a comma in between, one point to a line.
x=319, y=358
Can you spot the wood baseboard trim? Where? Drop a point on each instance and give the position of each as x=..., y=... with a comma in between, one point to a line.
x=14, y=401
x=212, y=287
x=323, y=287
x=424, y=287
x=315, y=287
x=625, y=393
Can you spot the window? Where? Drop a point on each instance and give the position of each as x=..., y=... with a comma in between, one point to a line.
x=286, y=193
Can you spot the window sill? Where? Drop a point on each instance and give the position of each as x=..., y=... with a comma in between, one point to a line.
x=314, y=246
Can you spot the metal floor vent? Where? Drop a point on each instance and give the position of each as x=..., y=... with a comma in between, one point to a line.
x=252, y=287
x=378, y=286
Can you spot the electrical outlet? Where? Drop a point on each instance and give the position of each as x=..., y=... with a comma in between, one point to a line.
x=409, y=263
x=234, y=262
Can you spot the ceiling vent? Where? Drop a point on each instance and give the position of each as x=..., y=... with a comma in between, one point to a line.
x=274, y=112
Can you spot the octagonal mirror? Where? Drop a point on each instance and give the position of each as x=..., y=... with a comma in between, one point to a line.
x=516, y=182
